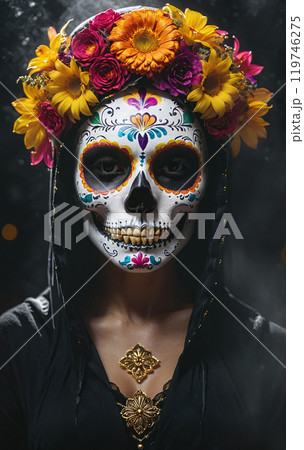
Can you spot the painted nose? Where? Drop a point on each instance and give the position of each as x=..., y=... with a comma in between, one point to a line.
x=140, y=198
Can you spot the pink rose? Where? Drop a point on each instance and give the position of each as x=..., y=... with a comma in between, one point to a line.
x=50, y=118
x=87, y=45
x=107, y=74
x=104, y=21
x=222, y=127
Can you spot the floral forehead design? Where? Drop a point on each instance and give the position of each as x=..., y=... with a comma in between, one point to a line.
x=176, y=52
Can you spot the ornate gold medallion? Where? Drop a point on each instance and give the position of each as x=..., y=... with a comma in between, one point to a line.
x=140, y=412
x=139, y=362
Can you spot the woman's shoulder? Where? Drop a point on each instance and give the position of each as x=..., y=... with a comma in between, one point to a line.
x=20, y=324
x=28, y=313
x=244, y=322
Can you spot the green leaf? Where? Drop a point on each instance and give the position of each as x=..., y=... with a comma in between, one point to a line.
x=188, y=117
x=95, y=119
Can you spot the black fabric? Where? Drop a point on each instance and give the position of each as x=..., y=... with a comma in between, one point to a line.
x=227, y=391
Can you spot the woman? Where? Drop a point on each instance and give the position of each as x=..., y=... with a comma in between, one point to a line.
x=122, y=350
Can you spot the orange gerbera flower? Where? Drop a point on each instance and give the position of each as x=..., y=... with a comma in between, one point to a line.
x=251, y=126
x=145, y=41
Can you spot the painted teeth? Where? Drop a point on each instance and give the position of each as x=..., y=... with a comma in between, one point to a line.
x=136, y=236
x=136, y=232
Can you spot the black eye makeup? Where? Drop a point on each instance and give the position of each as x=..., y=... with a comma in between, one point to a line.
x=106, y=167
x=176, y=167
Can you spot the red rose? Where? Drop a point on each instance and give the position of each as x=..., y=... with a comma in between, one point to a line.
x=104, y=21
x=87, y=45
x=222, y=127
x=50, y=118
x=107, y=74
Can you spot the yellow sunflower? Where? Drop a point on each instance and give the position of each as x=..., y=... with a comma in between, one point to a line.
x=216, y=92
x=145, y=41
x=28, y=122
x=251, y=126
x=46, y=56
x=193, y=27
x=70, y=89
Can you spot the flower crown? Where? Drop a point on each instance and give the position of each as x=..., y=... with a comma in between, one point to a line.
x=177, y=52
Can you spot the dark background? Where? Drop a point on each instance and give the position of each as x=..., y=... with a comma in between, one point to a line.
x=254, y=267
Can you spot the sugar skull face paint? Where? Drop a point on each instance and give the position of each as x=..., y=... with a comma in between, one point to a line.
x=140, y=174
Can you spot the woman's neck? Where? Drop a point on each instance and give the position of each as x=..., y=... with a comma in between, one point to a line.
x=136, y=297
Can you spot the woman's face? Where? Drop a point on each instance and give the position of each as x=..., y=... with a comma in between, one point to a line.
x=140, y=175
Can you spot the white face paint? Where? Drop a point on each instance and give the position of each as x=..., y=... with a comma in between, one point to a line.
x=140, y=175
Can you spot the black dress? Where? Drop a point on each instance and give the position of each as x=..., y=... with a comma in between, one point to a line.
x=227, y=390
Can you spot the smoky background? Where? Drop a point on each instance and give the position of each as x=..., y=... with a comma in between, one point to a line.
x=254, y=267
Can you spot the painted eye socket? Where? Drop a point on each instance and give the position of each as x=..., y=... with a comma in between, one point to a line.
x=176, y=168
x=105, y=167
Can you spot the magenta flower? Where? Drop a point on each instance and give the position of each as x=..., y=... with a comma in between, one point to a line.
x=222, y=127
x=45, y=151
x=182, y=73
x=107, y=74
x=243, y=60
x=50, y=118
x=221, y=32
x=140, y=262
x=87, y=45
x=65, y=57
x=104, y=21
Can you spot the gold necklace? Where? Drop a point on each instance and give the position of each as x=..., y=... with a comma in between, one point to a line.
x=139, y=362
x=141, y=413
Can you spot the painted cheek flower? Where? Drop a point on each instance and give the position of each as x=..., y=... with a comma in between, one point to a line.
x=181, y=74
x=28, y=123
x=145, y=41
x=243, y=61
x=87, y=45
x=193, y=27
x=70, y=90
x=104, y=21
x=216, y=91
x=251, y=125
x=107, y=74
